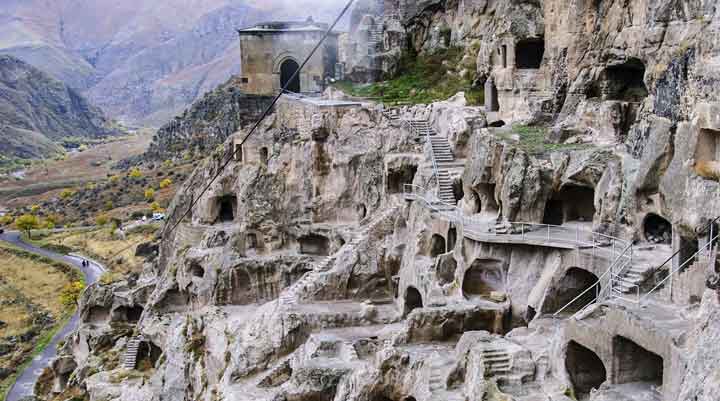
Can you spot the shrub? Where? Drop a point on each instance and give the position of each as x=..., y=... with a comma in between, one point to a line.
x=109, y=205
x=165, y=183
x=149, y=194
x=34, y=209
x=114, y=179
x=71, y=293
x=155, y=206
x=5, y=220
x=66, y=193
x=102, y=220
x=135, y=173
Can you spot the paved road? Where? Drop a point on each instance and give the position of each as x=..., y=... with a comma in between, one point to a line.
x=25, y=383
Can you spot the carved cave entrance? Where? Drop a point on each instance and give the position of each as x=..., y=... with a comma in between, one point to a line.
x=707, y=154
x=635, y=364
x=148, y=355
x=235, y=288
x=572, y=203
x=398, y=177
x=437, y=245
x=657, y=230
x=413, y=300
x=574, y=282
x=264, y=156
x=624, y=82
x=482, y=278
x=314, y=244
x=585, y=368
x=529, y=53
x=287, y=70
x=226, y=206
x=491, y=96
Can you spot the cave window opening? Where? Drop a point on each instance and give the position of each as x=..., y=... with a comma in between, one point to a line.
x=657, y=229
x=572, y=203
x=491, y=96
x=314, y=244
x=238, y=153
x=437, y=245
x=624, y=82
x=197, y=270
x=397, y=178
x=707, y=154
x=586, y=369
x=573, y=284
x=361, y=211
x=251, y=241
x=413, y=300
x=503, y=56
x=148, y=355
x=529, y=53
x=226, y=208
x=264, y=156
x=635, y=364
x=482, y=278
x=133, y=314
x=452, y=238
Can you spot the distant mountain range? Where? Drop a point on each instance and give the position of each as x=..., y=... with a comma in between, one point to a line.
x=37, y=112
x=141, y=61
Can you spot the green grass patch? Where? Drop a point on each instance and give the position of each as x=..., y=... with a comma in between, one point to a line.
x=423, y=79
x=533, y=140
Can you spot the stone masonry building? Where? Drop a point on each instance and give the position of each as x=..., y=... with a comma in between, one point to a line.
x=271, y=52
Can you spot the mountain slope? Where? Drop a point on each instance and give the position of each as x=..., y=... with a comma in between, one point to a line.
x=141, y=62
x=37, y=110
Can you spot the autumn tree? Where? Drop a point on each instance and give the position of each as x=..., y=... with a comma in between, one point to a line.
x=27, y=223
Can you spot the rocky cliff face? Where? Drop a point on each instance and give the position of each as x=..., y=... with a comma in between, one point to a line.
x=520, y=253
x=37, y=112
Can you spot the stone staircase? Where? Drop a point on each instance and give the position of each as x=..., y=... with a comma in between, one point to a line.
x=376, y=37
x=498, y=362
x=350, y=351
x=131, y=352
x=439, y=370
x=631, y=278
x=443, y=159
x=310, y=281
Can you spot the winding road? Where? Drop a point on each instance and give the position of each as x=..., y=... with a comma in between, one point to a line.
x=23, y=387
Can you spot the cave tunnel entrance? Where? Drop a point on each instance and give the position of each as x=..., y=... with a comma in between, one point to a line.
x=133, y=313
x=486, y=194
x=437, y=245
x=585, y=368
x=657, y=229
x=361, y=211
x=397, y=178
x=452, y=238
x=413, y=300
x=287, y=69
x=707, y=154
x=571, y=203
x=529, y=53
x=264, y=156
x=314, y=244
x=624, y=82
x=574, y=282
x=197, y=270
x=226, y=208
x=491, y=96
x=148, y=355
x=482, y=278
x=634, y=363
x=238, y=153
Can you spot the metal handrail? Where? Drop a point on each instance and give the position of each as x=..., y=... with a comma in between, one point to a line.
x=436, y=171
x=607, y=273
x=707, y=248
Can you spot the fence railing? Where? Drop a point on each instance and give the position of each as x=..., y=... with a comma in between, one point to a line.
x=428, y=142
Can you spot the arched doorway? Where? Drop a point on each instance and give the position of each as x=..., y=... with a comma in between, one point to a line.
x=635, y=364
x=585, y=368
x=413, y=300
x=287, y=69
x=437, y=245
x=574, y=282
x=657, y=229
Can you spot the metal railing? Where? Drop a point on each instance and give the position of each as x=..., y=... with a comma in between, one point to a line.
x=710, y=247
x=428, y=142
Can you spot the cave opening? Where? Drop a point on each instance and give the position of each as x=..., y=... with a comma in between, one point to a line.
x=452, y=238
x=657, y=229
x=488, y=203
x=586, y=369
x=197, y=270
x=361, y=211
x=571, y=203
x=529, y=53
x=130, y=314
x=413, y=300
x=707, y=154
x=264, y=156
x=314, y=244
x=437, y=245
x=148, y=355
x=689, y=247
x=226, y=208
x=482, y=278
x=236, y=289
x=626, y=82
x=457, y=189
x=574, y=283
x=398, y=177
x=491, y=96
x=251, y=241
x=635, y=364
x=238, y=152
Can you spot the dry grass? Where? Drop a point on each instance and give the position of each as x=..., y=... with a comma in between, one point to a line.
x=36, y=281
x=117, y=253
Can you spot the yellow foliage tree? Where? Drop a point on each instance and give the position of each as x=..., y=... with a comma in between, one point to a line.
x=66, y=193
x=34, y=209
x=27, y=222
x=101, y=220
x=114, y=179
x=156, y=207
x=165, y=183
x=71, y=293
x=135, y=173
x=149, y=194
